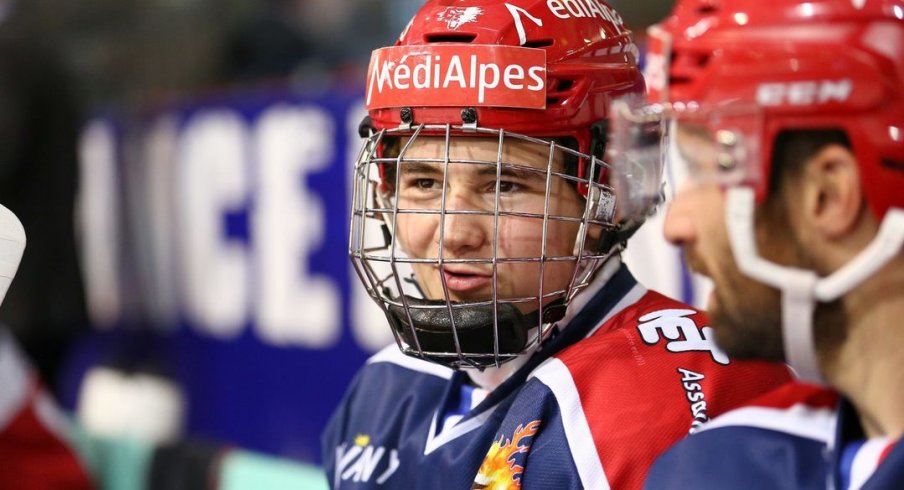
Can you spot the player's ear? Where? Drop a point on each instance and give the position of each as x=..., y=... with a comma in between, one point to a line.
x=833, y=199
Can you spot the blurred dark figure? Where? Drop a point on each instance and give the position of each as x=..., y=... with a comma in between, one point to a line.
x=269, y=45
x=311, y=44
x=39, y=121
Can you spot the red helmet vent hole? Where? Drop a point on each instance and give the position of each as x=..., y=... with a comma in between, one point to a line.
x=707, y=9
x=539, y=43
x=451, y=38
x=679, y=80
x=563, y=85
x=559, y=90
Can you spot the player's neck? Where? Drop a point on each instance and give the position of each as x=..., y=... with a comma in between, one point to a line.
x=867, y=365
x=490, y=378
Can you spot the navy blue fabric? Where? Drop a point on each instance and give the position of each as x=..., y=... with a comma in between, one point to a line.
x=741, y=458
x=456, y=406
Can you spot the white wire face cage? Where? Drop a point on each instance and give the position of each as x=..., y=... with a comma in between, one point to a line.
x=498, y=297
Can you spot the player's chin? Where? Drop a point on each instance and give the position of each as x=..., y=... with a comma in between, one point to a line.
x=745, y=337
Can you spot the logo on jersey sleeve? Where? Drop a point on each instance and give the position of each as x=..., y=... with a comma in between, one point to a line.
x=500, y=469
x=680, y=331
x=365, y=462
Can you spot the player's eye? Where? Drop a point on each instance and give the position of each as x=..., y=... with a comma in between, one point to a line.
x=420, y=187
x=508, y=186
x=425, y=183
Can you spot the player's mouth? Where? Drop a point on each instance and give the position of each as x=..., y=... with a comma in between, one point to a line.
x=461, y=280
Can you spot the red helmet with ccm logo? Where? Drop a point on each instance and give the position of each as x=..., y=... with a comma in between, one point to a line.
x=820, y=64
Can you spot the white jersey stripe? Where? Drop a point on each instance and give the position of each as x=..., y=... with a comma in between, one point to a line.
x=799, y=420
x=455, y=431
x=633, y=296
x=554, y=374
x=393, y=355
x=866, y=461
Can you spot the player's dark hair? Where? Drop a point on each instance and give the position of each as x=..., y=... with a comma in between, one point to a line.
x=795, y=147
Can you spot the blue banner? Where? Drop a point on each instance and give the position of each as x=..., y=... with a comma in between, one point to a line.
x=216, y=250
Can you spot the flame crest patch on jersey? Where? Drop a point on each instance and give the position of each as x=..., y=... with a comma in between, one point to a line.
x=455, y=17
x=500, y=469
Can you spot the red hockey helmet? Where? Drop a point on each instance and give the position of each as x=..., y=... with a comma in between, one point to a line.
x=539, y=67
x=821, y=64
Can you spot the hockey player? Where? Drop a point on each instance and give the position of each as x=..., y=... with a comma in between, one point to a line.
x=482, y=224
x=787, y=118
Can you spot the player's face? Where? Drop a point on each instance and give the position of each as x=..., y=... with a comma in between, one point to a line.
x=745, y=313
x=472, y=188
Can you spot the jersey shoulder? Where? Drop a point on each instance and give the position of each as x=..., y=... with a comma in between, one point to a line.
x=391, y=356
x=646, y=377
x=386, y=411
x=741, y=458
x=658, y=334
x=654, y=318
x=779, y=440
x=794, y=409
x=388, y=378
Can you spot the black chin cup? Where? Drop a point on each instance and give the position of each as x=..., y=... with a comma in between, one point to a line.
x=474, y=325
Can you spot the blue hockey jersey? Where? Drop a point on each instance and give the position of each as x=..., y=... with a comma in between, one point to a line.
x=796, y=437
x=629, y=373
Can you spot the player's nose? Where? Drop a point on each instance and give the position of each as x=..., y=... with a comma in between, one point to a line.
x=460, y=227
x=679, y=228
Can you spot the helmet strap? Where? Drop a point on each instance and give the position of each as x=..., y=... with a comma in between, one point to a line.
x=802, y=288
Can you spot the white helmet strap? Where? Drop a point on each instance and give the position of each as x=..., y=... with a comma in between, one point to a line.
x=801, y=288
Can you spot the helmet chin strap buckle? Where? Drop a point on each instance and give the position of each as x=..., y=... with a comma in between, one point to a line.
x=499, y=333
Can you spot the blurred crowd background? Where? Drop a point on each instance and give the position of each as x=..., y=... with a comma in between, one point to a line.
x=141, y=141
x=136, y=52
